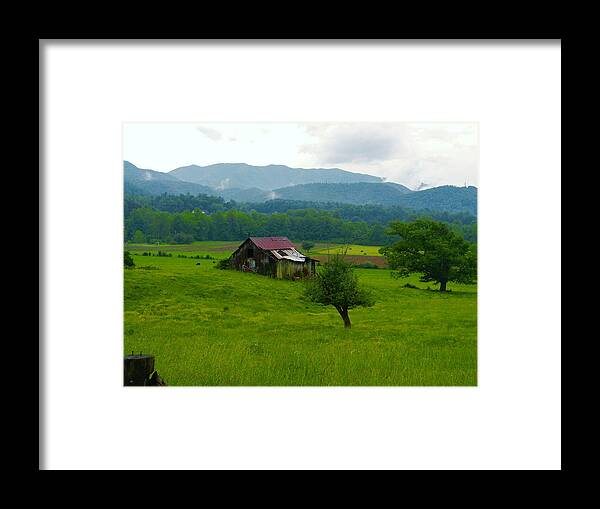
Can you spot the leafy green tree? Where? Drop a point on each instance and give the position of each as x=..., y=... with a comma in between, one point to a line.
x=139, y=237
x=307, y=246
x=128, y=260
x=432, y=249
x=336, y=284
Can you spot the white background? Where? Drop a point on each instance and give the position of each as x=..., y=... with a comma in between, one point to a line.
x=510, y=421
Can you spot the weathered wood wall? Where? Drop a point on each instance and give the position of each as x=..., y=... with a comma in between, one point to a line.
x=289, y=269
x=264, y=263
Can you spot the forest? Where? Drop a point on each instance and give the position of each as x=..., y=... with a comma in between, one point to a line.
x=187, y=218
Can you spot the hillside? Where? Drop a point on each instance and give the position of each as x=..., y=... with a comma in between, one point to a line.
x=245, y=176
x=364, y=193
x=150, y=182
x=443, y=198
x=252, y=194
x=243, y=183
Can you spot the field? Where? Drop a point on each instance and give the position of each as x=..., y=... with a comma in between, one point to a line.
x=350, y=249
x=219, y=327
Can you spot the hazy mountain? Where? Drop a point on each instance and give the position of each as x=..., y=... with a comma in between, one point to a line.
x=255, y=184
x=244, y=176
x=443, y=199
x=364, y=193
x=252, y=194
x=142, y=181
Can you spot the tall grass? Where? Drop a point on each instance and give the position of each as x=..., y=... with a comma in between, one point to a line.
x=221, y=327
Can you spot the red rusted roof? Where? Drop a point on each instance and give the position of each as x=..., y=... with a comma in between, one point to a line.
x=270, y=243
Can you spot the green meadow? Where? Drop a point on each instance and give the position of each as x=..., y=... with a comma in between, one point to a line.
x=349, y=249
x=213, y=327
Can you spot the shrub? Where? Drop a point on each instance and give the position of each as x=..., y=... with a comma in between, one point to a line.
x=183, y=238
x=367, y=265
x=224, y=264
x=307, y=246
x=128, y=260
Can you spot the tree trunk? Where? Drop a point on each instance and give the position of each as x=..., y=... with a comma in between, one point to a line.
x=443, y=286
x=344, y=314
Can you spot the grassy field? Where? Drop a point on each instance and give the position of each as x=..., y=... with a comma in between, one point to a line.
x=351, y=249
x=213, y=327
x=214, y=248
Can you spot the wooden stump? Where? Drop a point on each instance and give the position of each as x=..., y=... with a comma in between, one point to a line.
x=138, y=369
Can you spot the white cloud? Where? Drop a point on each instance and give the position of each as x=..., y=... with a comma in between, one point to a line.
x=354, y=143
x=413, y=154
x=224, y=184
x=433, y=153
x=213, y=134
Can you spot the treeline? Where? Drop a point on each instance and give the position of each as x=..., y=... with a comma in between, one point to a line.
x=177, y=203
x=187, y=218
x=368, y=213
x=148, y=225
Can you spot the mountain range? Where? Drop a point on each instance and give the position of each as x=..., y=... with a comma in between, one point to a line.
x=142, y=181
x=246, y=183
x=245, y=176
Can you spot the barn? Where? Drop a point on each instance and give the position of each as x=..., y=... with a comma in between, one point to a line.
x=272, y=256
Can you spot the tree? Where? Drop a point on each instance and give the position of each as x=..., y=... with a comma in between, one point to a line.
x=336, y=285
x=307, y=246
x=128, y=260
x=432, y=249
x=138, y=237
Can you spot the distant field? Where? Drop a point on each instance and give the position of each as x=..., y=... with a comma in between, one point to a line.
x=380, y=261
x=222, y=249
x=215, y=248
x=350, y=249
x=213, y=327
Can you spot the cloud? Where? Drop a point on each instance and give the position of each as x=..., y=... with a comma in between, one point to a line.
x=213, y=134
x=355, y=143
x=414, y=154
x=224, y=184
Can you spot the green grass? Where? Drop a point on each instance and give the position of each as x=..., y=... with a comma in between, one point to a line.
x=352, y=249
x=214, y=248
x=213, y=327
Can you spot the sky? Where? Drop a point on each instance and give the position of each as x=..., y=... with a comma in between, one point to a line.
x=415, y=154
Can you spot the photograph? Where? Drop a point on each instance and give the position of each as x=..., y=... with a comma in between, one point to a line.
x=300, y=254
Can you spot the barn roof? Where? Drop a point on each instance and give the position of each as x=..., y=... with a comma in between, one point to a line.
x=270, y=243
x=288, y=254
